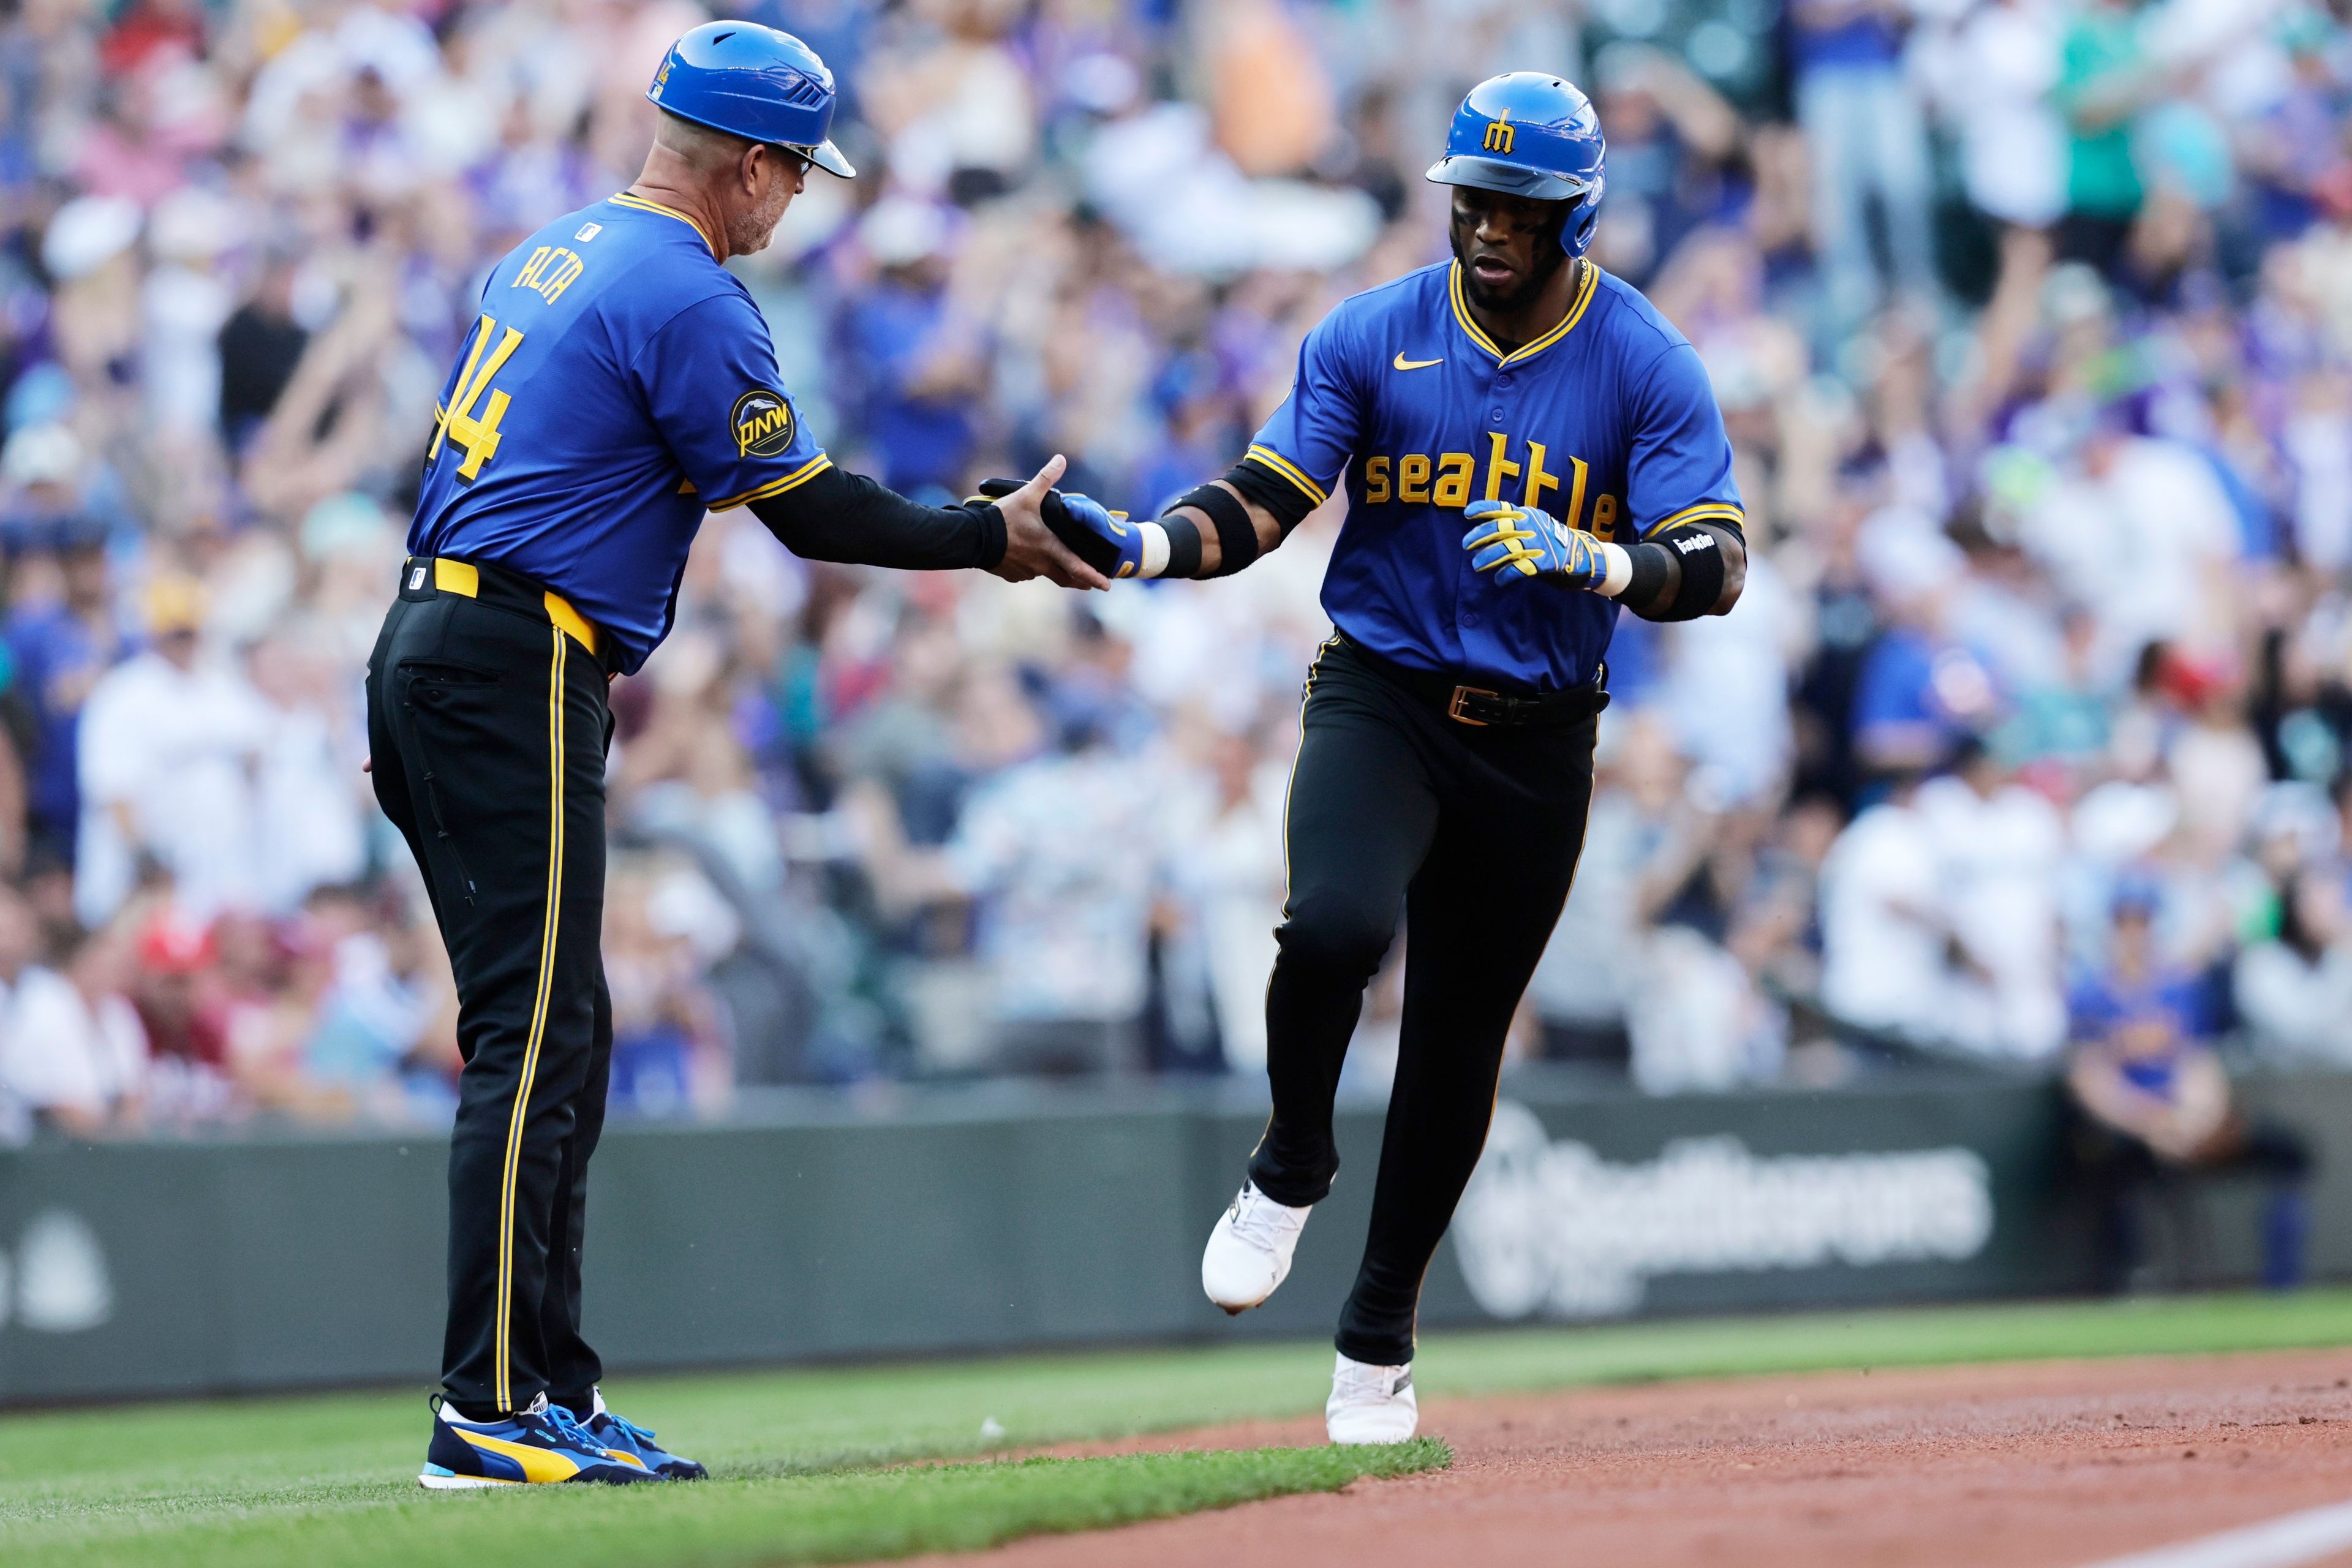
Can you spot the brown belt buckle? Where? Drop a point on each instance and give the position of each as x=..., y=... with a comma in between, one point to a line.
x=1462, y=695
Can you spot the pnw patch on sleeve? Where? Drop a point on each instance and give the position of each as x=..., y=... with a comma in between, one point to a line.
x=762, y=423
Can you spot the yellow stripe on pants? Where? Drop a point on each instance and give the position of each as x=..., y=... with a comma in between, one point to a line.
x=538, y=1018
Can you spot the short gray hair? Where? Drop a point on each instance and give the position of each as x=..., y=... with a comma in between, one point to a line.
x=705, y=150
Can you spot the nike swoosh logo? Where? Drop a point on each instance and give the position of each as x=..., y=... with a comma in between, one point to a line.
x=1403, y=363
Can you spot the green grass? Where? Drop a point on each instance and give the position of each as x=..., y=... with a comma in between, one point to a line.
x=840, y=1517
x=324, y=1479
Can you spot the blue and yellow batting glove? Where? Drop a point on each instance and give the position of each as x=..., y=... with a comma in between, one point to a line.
x=1519, y=541
x=1110, y=527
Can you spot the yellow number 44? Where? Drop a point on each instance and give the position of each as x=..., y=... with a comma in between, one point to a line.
x=479, y=435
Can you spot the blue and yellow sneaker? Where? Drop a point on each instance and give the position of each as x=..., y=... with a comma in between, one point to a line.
x=624, y=1436
x=540, y=1445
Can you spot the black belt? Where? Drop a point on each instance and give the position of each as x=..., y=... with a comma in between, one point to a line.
x=1483, y=705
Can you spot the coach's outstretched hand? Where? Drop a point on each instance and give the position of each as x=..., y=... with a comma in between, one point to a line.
x=1516, y=542
x=1097, y=535
x=1031, y=547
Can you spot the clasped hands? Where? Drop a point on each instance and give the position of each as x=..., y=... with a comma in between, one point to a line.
x=1072, y=539
x=1079, y=542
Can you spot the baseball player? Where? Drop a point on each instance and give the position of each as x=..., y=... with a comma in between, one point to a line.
x=1526, y=445
x=617, y=385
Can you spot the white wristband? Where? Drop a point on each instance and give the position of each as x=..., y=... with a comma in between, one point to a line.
x=1155, y=548
x=1621, y=571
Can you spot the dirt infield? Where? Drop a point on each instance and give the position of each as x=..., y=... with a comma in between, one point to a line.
x=2041, y=1465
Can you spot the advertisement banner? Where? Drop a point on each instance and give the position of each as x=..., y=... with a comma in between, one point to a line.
x=1030, y=1219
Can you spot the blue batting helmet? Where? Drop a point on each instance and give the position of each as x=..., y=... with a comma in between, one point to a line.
x=753, y=83
x=1528, y=134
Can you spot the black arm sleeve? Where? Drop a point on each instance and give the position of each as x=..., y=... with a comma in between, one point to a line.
x=1261, y=487
x=840, y=516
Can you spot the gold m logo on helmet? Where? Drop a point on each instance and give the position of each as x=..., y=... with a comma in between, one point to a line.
x=1499, y=133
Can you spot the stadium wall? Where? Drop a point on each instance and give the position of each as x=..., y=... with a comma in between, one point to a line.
x=1002, y=1219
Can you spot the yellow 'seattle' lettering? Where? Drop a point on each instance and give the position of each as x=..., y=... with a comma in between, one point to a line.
x=1450, y=479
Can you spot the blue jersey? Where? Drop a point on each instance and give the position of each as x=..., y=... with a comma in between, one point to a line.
x=1606, y=422
x=617, y=385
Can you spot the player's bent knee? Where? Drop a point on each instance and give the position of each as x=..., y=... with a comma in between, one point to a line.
x=1335, y=934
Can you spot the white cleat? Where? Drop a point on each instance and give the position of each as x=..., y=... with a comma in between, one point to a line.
x=1372, y=1404
x=1249, y=1252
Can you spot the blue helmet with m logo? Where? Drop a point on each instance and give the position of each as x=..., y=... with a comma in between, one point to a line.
x=1533, y=135
x=754, y=82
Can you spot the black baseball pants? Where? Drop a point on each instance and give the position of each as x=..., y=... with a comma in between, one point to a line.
x=488, y=725
x=1473, y=833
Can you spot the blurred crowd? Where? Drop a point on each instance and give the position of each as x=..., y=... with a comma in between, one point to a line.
x=2032, y=321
